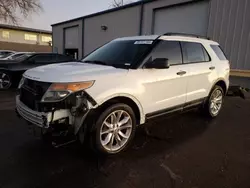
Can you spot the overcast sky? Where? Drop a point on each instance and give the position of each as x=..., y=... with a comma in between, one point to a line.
x=61, y=10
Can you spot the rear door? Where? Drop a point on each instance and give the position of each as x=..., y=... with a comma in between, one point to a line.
x=201, y=71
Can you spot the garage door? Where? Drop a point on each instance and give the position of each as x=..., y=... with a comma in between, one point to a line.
x=190, y=18
x=71, y=38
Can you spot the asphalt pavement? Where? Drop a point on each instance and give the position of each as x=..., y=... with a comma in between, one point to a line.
x=187, y=150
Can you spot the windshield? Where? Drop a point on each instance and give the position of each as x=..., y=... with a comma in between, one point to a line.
x=120, y=54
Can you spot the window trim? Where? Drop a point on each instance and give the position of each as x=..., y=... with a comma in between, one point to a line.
x=204, y=49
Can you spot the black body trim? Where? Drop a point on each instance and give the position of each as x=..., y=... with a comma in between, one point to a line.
x=175, y=109
x=195, y=103
x=170, y=110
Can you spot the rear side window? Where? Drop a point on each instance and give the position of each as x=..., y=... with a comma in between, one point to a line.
x=194, y=53
x=170, y=50
x=217, y=49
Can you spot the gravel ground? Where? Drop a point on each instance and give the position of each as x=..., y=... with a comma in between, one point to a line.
x=182, y=151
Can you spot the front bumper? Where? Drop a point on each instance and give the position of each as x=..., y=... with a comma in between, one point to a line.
x=41, y=119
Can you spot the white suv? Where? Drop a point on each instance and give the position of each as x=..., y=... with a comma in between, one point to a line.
x=122, y=85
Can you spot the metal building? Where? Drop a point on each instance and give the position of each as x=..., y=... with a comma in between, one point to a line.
x=226, y=21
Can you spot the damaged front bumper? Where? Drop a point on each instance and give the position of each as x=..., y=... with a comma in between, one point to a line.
x=57, y=120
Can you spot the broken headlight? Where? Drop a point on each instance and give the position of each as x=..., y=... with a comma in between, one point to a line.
x=59, y=91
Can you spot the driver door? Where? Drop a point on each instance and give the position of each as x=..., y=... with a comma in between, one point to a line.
x=165, y=89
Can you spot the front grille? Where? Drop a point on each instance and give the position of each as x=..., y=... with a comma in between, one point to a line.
x=32, y=92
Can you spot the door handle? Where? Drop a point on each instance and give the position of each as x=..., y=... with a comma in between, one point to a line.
x=181, y=73
x=211, y=68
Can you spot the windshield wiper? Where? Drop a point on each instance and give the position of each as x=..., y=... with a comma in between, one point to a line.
x=96, y=62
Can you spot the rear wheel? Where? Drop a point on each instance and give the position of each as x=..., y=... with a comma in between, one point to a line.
x=114, y=129
x=214, y=104
x=5, y=80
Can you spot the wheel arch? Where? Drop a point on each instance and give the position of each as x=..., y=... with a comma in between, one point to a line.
x=222, y=84
x=126, y=99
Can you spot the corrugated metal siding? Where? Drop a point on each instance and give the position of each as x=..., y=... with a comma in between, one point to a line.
x=189, y=18
x=229, y=24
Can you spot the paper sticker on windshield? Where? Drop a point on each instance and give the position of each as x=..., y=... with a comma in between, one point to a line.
x=144, y=42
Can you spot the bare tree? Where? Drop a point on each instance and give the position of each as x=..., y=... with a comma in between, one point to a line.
x=10, y=10
x=117, y=3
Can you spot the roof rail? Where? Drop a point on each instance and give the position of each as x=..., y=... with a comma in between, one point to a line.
x=186, y=34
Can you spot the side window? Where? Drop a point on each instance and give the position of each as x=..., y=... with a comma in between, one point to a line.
x=217, y=49
x=170, y=50
x=194, y=53
x=45, y=58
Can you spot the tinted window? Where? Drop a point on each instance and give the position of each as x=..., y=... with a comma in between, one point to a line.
x=44, y=58
x=23, y=57
x=16, y=56
x=63, y=58
x=170, y=50
x=119, y=53
x=219, y=52
x=194, y=52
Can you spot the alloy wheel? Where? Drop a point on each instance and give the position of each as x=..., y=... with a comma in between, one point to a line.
x=5, y=81
x=216, y=102
x=116, y=130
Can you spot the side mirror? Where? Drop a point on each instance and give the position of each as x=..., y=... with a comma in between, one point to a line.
x=158, y=63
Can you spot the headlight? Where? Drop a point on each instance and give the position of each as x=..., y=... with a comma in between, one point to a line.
x=60, y=91
x=21, y=82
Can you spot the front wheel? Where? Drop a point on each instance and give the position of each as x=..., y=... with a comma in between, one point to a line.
x=214, y=104
x=5, y=80
x=114, y=129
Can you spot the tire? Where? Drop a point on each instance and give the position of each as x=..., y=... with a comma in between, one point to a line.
x=112, y=138
x=214, y=104
x=5, y=80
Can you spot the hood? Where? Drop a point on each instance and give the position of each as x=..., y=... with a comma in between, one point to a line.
x=72, y=72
